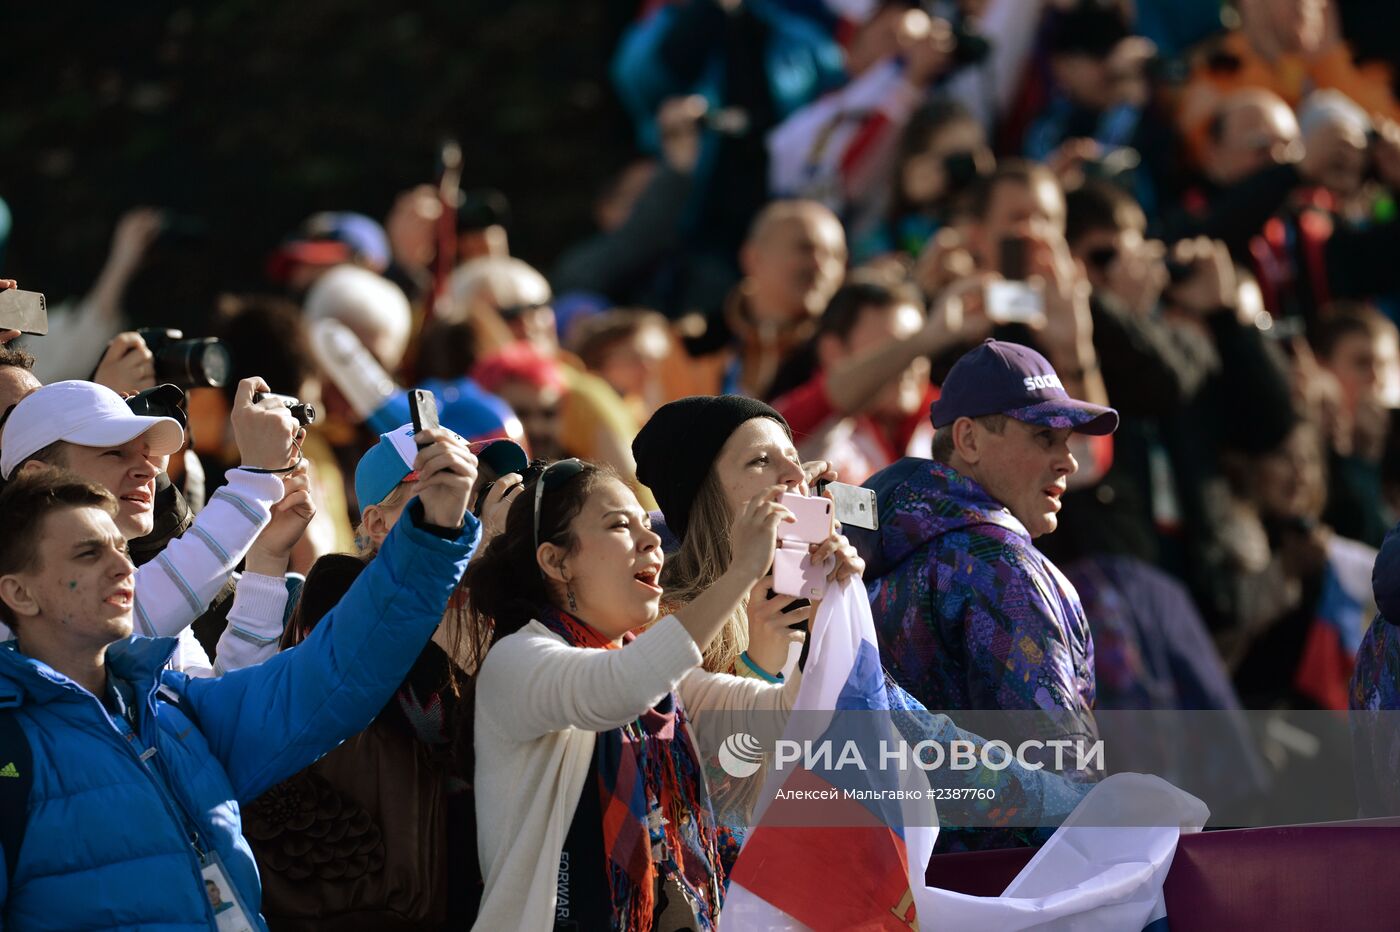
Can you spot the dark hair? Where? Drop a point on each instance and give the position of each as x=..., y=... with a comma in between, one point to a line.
x=1099, y=205
x=506, y=585
x=1344, y=319
x=861, y=292
x=329, y=578
x=1018, y=171
x=25, y=502
x=480, y=208
x=266, y=337
x=1090, y=27
x=592, y=338
x=11, y=355
x=919, y=133
x=448, y=351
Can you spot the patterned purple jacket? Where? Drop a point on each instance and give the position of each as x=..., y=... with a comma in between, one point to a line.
x=969, y=614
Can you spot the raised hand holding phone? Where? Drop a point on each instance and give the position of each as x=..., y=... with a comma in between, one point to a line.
x=447, y=471
x=795, y=573
x=422, y=406
x=1014, y=299
x=25, y=311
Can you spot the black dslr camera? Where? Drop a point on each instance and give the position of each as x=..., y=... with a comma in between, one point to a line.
x=303, y=412
x=162, y=401
x=187, y=363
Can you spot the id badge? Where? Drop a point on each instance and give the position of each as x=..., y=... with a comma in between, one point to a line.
x=230, y=913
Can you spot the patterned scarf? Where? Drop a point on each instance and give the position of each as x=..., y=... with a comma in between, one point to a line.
x=656, y=813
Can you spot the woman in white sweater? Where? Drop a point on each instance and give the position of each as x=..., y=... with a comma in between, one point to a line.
x=592, y=807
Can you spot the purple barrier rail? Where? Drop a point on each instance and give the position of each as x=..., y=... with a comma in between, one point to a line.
x=1336, y=875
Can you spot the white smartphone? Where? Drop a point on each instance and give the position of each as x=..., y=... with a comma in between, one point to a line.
x=855, y=506
x=1015, y=302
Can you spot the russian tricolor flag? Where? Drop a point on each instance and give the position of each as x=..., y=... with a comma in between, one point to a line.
x=1344, y=609
x=863, y=867
x=859, y=855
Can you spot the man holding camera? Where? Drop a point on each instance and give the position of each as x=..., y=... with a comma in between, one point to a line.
x=970, y=615
x=89, y=430
x=103, y=737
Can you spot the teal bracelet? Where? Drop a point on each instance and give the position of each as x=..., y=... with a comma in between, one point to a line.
x=759, y=671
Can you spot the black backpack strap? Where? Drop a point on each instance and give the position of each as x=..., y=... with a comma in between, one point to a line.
x=16, y=782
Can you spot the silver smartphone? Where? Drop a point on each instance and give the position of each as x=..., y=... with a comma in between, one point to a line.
x=855, y=506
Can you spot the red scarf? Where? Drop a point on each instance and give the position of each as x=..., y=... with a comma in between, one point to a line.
x=649, y=768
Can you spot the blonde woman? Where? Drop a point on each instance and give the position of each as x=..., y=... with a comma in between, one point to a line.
x=703, y=455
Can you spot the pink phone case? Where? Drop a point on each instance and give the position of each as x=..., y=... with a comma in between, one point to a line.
x=795, y=575
x=813, y=519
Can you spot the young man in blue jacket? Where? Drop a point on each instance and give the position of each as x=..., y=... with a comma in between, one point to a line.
x=969, y=614
x=136, y=773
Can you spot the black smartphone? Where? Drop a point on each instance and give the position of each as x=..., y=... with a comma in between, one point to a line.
x=793, y=606
x=24, y=311
x=1013, y=258
x=422, y=406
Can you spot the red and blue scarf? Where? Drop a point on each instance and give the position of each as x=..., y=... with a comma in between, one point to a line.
x=654, y=809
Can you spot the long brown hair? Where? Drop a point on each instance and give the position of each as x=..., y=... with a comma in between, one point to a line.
x=704, y=556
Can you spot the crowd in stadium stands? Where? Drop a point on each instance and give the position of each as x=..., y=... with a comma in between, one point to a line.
x=1098, y=297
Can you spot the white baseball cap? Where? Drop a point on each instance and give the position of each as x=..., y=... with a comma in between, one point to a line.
x=84, y=413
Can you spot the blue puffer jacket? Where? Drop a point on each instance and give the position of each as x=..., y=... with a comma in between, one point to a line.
x=105, y=846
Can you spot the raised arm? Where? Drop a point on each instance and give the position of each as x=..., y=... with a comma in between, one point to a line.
x=269, y=721
x=176, y=587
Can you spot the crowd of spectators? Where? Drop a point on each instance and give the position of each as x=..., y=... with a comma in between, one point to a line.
x=1186, y=209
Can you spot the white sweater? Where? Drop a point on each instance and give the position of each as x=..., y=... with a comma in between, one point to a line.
x=540, y=704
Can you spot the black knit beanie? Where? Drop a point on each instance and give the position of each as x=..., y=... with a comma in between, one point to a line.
x=678, y=446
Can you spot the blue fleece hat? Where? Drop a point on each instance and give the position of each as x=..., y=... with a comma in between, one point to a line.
x=1011, y=379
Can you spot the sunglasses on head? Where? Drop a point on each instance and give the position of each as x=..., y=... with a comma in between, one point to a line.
x=551, y=476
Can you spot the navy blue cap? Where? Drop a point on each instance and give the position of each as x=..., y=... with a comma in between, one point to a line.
x=1011, y=379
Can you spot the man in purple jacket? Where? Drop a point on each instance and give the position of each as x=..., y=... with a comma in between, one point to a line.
x=969, y=614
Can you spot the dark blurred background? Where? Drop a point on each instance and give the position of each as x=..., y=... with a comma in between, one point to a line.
x=246, y=116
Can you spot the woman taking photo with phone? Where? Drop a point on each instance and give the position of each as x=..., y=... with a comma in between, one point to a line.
x=702, y=457
x=591, y=801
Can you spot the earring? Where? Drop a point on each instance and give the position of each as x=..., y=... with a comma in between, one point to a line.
x=573, y=604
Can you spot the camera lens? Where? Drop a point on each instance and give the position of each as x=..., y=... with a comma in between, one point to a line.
x=206, y=363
